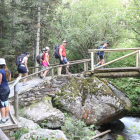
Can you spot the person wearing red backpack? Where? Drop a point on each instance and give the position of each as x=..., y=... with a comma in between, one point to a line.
x=63, y=59
x=45, y=60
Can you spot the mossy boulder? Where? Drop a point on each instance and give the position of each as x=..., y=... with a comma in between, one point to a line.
x=88, y=99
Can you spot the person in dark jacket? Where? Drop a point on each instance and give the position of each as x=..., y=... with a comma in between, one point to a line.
x=101, y=55
x=5, y=77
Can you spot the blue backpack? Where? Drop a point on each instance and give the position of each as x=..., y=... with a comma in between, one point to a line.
x=98, y=52
x=56, y=52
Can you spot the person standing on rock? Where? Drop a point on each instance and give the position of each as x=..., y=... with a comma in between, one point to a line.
x=5, y=77
x=23, y=69
x=45, y=60
x=101, y=54
x=63, y=59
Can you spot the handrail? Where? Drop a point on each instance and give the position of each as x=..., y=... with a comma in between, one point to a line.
x=116, y=60
x=113, y=50
x=58, y=63
x=85, y=60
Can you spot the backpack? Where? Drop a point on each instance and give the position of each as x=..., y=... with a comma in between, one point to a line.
x=19, y=59
x=56, y=52
x=38, y=59
x=98, y=52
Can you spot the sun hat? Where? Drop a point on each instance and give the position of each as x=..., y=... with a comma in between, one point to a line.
x=2, y=61
x=47, y=48
x=64, y=41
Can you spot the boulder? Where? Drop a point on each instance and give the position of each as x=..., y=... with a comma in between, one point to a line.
x=45, y=134
x=28, y=124
x=43, y=112
x=89, y=99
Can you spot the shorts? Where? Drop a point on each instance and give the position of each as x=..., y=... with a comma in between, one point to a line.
x=22, y=69
x=65, y=61
x=45, y=64
x=4, y=94
x=101, y=57
x=42, y=67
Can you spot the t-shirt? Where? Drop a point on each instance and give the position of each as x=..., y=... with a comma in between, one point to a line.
x=102, y=52
x=63, y=50
x=4, y=82
x=23, y=61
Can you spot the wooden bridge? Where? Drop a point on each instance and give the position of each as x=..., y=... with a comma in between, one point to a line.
x=116, y=72
x=97, y=71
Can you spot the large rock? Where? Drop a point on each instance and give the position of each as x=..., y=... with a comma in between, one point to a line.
x=28, y=124
x=45, y=134
x=89, y=99
x=43, y=112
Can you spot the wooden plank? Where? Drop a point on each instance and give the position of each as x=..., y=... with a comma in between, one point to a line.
x=9, y=127
x=115, y=60
x=52, y=73
x=117, y=74
x=114, y=50
x=3, y=136
x=121, y=69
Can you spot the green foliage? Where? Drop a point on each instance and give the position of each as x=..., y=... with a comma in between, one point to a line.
x=135, y=130
x=77, y=129
x=119, y=137
x=19, y=133
x=132, y=89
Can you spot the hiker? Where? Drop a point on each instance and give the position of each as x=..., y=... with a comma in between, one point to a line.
x=42, y=67
x=101, y=54
x=45, y=60
x=5, y=77
x=23, y=69
x=63, y=59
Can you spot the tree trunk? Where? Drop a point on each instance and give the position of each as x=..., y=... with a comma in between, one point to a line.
x=38, y=36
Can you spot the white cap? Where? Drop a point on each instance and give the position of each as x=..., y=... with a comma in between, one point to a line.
x=2, y=61
x=64, y=41
x=47, y=48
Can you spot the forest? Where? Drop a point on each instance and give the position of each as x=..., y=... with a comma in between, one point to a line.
x=30, y=25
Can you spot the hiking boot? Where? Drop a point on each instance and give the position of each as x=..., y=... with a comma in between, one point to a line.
x=2, y=122
x=41, y=77
x=68, y=73
x=7, y=119
x=24, y=84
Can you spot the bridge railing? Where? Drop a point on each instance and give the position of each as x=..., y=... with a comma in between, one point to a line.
x=136, y=51
x=15, y=83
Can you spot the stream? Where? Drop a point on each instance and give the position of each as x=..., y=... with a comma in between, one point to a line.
x=131, y=133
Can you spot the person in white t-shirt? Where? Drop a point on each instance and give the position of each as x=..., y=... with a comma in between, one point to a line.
x=23, y=69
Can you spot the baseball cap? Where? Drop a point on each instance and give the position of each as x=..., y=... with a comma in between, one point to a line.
x=64, y=41
x=2, y=61
x=105, y=42
x=27, y=53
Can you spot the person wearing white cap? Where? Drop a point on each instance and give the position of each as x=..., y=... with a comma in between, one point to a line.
x=63, y=59
x=5, y=76
x=45, y=60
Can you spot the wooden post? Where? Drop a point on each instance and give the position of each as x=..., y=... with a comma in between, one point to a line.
x=16, y=100
x=58, y=71
x=85, y=66
x=137, y=57
x=92, y=61
x=52, y=73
